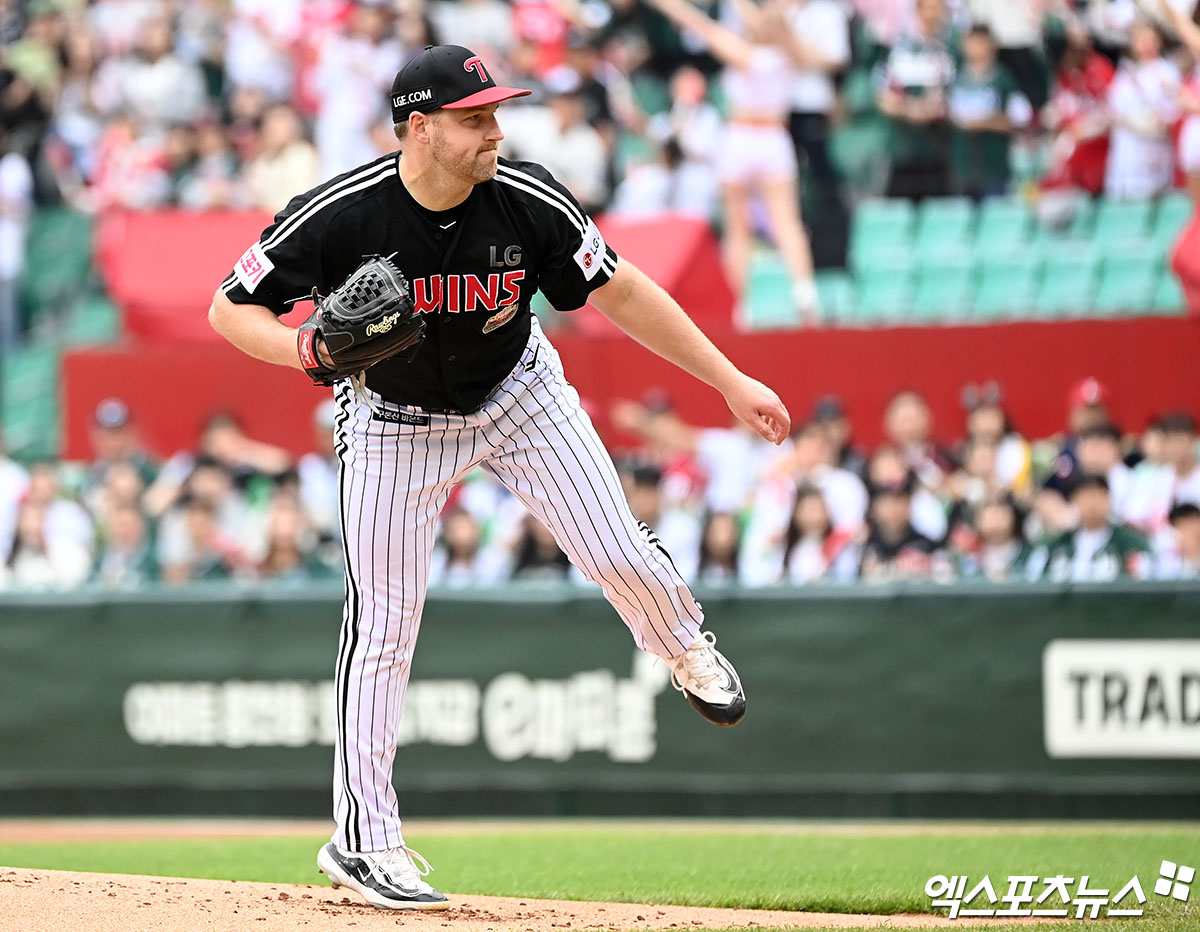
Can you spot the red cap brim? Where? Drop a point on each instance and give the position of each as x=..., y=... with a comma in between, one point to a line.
x=489, y=95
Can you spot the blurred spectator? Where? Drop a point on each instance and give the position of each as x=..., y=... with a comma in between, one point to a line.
x=538, y=557
x=114, y=439
x=995, y=550
x=1016, y=26
x=988, y=423
x=286, y=163
x=39, y=559
x=1087, y=403
x=212, y=179
x=811, y=462
x=188, y=539
x=67, y=523
x=1144, y=101
x=719, y=540
x=985, y=107
x=1078, y=120
x=460, y=559
x=200, y=552
x=484, y=26
x=974, y=483
x=684, y=178
x=1188, y=32
x=908, y=423
x=1180, y=558
x=352, y=77
x=16, y=201
x=829, y=413
x=887, y=467
x=729, y=458
x=559, y=137
x=817, y=39
x=913, y=83
x=1099, y=453
x=127, y=552
x=813, y=549
x=262, y=45
x=290, y=544
x=757, y=157
x=1098, y=550
x=150, y=83
x=1156, y=490
x=894, y=549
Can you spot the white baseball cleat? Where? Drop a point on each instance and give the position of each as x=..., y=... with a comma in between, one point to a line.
x=709, y=682
x=387, y=879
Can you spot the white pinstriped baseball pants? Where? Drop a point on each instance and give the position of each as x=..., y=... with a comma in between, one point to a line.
x=394, y=480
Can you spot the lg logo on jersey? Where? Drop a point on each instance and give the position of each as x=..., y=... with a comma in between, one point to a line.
x=512, y=256
x=466, y=293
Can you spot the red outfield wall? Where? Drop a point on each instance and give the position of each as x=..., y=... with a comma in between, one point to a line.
x=1150, y=364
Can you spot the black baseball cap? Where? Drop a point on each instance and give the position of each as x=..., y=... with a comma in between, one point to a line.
x=445, y=76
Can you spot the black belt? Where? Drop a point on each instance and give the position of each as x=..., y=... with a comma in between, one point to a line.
x=495, y=388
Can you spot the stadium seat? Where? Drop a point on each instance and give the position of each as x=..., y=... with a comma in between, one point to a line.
x=1068, y=283
x=1127, y=284
x=1120, y=222
x=836, y=293
x=942, y=292
x=769, y=302
x=945, y=227
x=1168, y=295
x=1007, y=285
x=1076, y=230
x=880, y=226
x=1004, y=226
x=882, y=300
x=1171, y=215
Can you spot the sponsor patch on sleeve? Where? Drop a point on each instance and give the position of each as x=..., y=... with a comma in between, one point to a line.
x=253, y=267
x=591, y=251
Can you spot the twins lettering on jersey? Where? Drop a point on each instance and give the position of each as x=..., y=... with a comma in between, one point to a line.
x=457, y=294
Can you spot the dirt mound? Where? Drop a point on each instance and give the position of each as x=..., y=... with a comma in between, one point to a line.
x=51, y=900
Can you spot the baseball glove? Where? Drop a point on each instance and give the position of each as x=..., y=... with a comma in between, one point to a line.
x=368, y=318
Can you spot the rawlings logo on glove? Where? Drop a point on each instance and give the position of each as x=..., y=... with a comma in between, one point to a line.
x=368, y=318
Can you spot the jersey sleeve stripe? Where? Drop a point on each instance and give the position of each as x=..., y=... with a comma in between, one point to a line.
x=537, y=182
x=543, y=197
x=354, y=183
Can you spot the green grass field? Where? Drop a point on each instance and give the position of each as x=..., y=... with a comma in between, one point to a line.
x=860, y=868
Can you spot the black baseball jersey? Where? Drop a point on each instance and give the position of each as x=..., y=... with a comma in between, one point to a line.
x=473, y=269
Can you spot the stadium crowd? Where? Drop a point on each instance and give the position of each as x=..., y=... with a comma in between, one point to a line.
x=242, y=103
x=1091, y=505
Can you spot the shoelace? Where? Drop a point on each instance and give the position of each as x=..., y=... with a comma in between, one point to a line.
x=402, y=863
x=699, y=663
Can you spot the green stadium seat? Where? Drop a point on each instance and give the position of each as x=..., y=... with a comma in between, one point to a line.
x=1168, y=295
x=882, y=300
x=945, y=227
x=1008, y=286
x=1120, y=222
x=859, y=151
x=95, y=322
x=1068, y=283
x=1127, y=285
x=1170, y=217
x=880, y=226
x=836, y=293
x=768, y=302
x=1004, y=226
x=942, y=293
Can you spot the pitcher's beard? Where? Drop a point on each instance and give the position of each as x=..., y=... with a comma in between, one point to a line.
x=475, y=167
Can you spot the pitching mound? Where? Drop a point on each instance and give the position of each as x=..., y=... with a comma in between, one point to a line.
x=40, y=899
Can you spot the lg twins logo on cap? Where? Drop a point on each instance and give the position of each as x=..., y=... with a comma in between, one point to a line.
x=476, y=64
x=253, y=267
x=420, y=96
x=590, y=254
